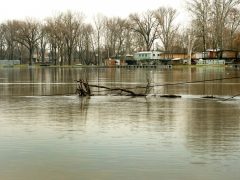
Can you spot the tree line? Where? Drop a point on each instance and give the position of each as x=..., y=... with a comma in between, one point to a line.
x=67, y=38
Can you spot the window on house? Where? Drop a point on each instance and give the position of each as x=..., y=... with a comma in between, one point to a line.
x=153, y=54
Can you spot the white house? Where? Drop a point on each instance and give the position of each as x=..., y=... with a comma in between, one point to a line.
x=147, y=55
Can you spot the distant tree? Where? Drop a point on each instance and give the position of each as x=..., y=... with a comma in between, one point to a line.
x=27, y=34
x=236, y=41
x=201, y=10
x=215, y=21
x=146, y=25
x=2, y=43
x=85, y=47
x=167, y=29
x=190, y=39
x=43, y=42
x=55, y=36
x=122, y=32
x=99, y=27
x=129, y=39
x=52, y=37
x=233, y=22
x=221, y=9
x=71, y=25
x=180, y=42
x=115, y=35
x=9, y=30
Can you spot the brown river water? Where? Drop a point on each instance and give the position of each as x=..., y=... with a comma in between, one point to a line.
x=47, y=132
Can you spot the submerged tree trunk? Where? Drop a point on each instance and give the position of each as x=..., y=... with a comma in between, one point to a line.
x=84, y=89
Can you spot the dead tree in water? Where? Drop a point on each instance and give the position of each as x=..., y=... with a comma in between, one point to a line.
x=84, y=89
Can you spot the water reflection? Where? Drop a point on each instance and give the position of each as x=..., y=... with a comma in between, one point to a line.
x=54, y=81
x=49, y=136
x=214, y=128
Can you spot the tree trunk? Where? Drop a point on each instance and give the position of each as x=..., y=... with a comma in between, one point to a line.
x=69, y=56
x=30, y=55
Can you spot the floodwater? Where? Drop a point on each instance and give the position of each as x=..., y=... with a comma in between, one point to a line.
x=49, y=133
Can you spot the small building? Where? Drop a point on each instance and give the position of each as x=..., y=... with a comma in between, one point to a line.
x=208, y=54
x=212, y=56
x=147, y=55
x=114, y=62
x=228, y=54
x=168, y=55
x=177, y=61
x=129, y=60
x=197, y=55
x=110, y=62
x=211, y=62
x=176, y=58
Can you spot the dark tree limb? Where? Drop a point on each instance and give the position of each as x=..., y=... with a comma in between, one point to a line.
x=84, y=89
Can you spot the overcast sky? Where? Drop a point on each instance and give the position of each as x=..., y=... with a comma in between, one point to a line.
x=39, y=9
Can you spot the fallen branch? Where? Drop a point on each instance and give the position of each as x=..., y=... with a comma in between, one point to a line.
x=171, y=96
x=191, y=82
x=129, y=92
x=83, y=89
x=231, y=97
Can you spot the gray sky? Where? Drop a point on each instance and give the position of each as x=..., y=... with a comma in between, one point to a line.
x=39, y=9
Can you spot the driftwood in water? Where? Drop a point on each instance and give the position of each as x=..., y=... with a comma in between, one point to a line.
x=119, y=91
x=171, y=96
x=232, y=97
x=209, y=97
x=84, y=89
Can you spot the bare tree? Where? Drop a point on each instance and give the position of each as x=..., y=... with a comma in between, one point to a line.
x=129, y=39
x=52, y=35
x=233, y=22
x=200, y=9
x=85, y=45
x=71, y=24
x=221, y=9
x=146, y=25
x=191, y=39
x=55, y=35
x=121, y=31
x=9, y=30
x=115, y=35
x=236, y=42
x=99, y=25
x=28, y=33
x=2, y=43
x=43, y=42
x=167, y=28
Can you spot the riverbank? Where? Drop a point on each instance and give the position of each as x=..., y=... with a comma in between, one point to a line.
x=102, y=66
